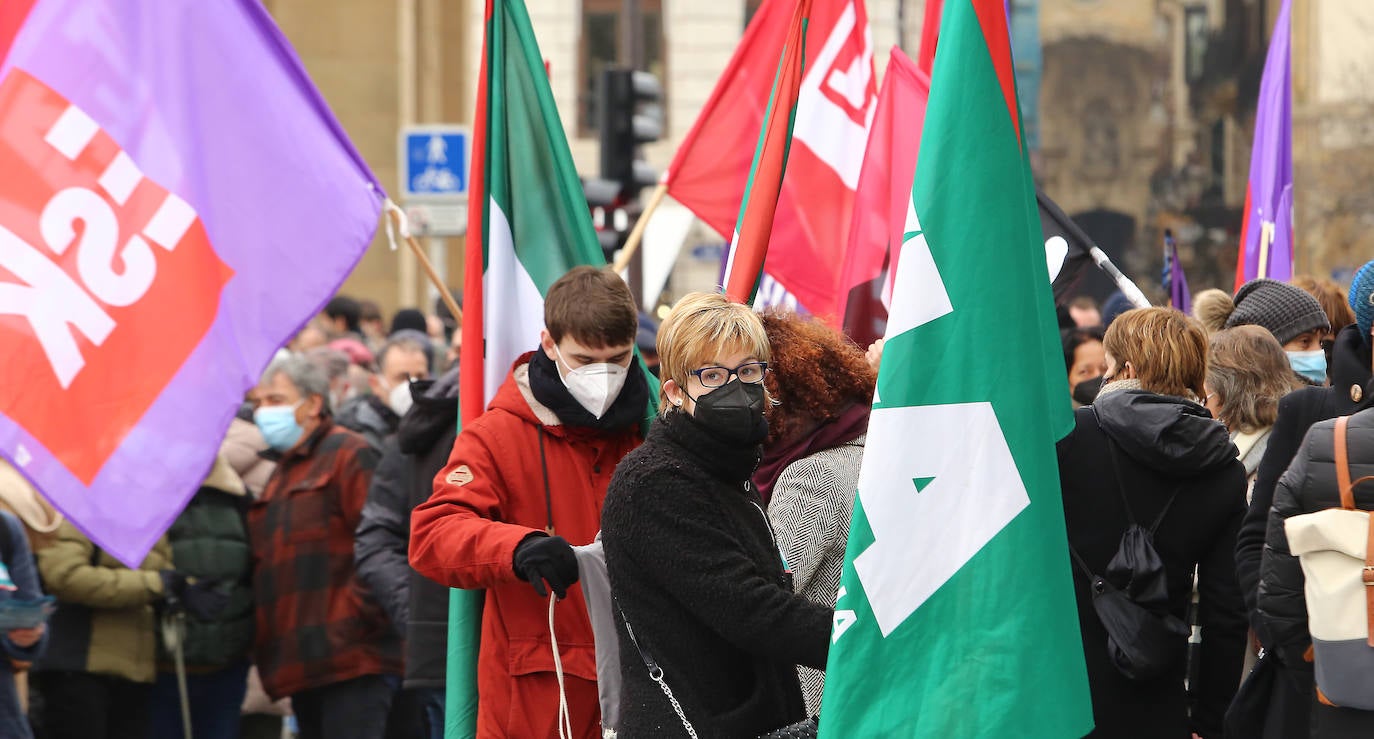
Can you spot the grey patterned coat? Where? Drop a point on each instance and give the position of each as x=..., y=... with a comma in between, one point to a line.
x=810, y=509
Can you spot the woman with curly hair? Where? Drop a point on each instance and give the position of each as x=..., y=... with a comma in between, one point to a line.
x=822, y=387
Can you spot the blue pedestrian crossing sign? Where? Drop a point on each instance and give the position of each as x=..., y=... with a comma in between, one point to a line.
x=434, y=162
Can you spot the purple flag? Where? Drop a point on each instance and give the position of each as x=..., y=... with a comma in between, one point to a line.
x=177, y=201
x=1266, y=239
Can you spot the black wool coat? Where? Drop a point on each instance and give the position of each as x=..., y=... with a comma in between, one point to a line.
x=1163, y=444
x=695, y=569
x=1351, y=390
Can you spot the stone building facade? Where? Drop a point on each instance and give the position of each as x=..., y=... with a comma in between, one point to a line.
x=1146, y=108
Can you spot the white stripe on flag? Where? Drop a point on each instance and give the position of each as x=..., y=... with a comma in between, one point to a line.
x=513, y=306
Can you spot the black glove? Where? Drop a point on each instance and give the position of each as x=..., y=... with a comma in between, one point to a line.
x=199, y=598
x=173, y=585
x=204, y=600
x=541, y=558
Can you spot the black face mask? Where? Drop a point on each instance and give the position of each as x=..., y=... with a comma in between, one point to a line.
x=734, y=412
x=1085, y=392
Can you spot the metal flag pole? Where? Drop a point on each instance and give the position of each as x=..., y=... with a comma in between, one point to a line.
x=1099, y=257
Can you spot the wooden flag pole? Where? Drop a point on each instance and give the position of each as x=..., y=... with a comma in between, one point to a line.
x=395, y=215
x=1266, y=236
x=622, y=260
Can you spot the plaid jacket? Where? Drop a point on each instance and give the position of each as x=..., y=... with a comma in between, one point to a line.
x=317, y=624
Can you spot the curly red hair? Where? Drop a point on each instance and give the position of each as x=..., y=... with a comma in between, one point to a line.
x=816, y=373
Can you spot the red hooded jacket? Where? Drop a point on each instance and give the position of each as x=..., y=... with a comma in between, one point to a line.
x=489, y=497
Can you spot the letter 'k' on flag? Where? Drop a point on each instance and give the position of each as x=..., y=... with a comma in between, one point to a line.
x=956, y=613
x=177, y=200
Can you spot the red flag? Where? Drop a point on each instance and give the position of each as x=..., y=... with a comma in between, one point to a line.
x=758, y=208
x=835, y=107
x=880, y=204
x=930, y=34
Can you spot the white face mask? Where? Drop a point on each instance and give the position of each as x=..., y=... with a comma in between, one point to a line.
x=399, y=398
x=594, y=386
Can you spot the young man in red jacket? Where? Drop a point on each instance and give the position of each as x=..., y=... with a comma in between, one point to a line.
x=524, y=483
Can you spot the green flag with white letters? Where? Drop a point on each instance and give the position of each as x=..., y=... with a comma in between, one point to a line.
x=956, y=615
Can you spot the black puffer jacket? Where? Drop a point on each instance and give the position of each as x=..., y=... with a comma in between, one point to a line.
x=370, y=416
x=1309, y=486
x=417, y=606
x=694, y=567
x=1351, y=390
x=1163, y=444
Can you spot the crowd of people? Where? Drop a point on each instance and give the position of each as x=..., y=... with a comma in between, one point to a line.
x=674, y=573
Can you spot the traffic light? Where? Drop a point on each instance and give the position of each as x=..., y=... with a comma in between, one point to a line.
x=629, y=113
x=603, y=200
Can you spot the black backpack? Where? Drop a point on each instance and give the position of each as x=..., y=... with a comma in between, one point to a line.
x=1144, y=640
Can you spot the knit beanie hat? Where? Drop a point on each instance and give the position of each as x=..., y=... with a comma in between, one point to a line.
x=1286, y=311
x=1362, y=299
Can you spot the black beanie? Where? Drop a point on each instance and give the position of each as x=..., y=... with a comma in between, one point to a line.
x=408, y=318
x=1284, y=310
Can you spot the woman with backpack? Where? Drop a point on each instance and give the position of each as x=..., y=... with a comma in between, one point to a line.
x=1314, y=483
x=1147, y=458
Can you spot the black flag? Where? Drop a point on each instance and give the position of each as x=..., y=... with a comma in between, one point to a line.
x=1066, y=248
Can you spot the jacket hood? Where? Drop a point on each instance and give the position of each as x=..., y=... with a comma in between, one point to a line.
x=367, y=413
x=1173, y=436
x=515, y=396
x=434, y=414
x=222, y=477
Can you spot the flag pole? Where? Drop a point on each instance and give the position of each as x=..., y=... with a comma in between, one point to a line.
x=622, y=260
x=395, y=215
x=1266, y=235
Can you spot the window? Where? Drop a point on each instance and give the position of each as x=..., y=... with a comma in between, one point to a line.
x=1195, y=42
x=599, y=48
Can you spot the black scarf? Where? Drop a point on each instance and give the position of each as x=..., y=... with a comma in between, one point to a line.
x=722, y=459
x=626, y=410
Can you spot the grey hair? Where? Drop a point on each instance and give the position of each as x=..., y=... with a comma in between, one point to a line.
x=332, y=362
x=307, y=376
x=405, y=341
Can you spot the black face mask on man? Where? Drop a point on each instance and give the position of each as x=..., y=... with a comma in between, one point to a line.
x=734, y=412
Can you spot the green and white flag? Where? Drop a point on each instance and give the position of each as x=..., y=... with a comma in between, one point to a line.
x=528, y=224
x=956, y=615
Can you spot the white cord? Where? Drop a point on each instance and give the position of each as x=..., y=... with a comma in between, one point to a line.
x=390, y=206
x=565, y=730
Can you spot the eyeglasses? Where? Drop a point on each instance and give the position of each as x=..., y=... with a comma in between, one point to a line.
x=714, y=377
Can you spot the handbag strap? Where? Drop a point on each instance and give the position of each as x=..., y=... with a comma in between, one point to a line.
x=1121, y=486
x=1083, y=566
x=655, y=672
x=1343, y=465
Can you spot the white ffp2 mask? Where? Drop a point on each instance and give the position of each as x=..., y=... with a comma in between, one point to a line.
x=594, y=386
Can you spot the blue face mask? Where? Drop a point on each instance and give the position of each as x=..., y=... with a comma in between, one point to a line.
x=1311, y=365
x=278, y=425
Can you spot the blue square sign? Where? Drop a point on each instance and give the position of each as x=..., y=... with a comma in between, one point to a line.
x=434, y=162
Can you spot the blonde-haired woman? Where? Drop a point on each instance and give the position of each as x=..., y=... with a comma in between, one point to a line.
x=1247, y=373
x=706, y=611
x=1147, y=452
